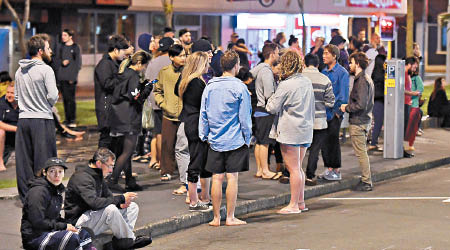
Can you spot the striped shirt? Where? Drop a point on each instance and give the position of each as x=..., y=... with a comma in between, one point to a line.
x=323, y=93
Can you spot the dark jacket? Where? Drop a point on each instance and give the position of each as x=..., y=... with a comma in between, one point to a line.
x=360, y=103
x=127, y=101
x=87, y=190
x=105, y=78
x=192, y=100
x=439, y=106
x=70, y=71
x=41, y=211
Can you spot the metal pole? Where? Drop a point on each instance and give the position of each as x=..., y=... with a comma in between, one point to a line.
x=424, y=42
x=447, y=75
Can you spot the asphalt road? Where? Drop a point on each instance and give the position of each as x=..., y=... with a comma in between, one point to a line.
x=404, y=213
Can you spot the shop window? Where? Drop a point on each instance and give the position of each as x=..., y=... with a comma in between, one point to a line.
x=211, y=27
x=158, y=23
x=126, y=26
x=187, y=20
x=106, y=26
x=85, y=35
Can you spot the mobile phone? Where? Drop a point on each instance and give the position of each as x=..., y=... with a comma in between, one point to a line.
x=151, y=82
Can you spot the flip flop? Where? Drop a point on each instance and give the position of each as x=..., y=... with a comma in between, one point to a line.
x=257, y=176
x=275, y=176
x=166, y=177
x=154, y=165
x=180, y=191
x=281, y=211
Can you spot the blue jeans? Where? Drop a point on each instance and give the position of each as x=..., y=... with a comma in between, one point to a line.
x=378, y=116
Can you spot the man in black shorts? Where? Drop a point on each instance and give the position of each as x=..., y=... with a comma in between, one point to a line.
x=9, y=115
x=225, y=122
x=265, y=86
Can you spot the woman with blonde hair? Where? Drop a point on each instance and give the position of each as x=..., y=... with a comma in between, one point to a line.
x=190, y=88
x=293, y=102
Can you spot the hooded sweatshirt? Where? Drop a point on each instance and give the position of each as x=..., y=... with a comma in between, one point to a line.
x=41, y=211
x=35, y=89
x=264, y=83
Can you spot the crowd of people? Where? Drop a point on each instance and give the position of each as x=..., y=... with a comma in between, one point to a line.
x=193, y=111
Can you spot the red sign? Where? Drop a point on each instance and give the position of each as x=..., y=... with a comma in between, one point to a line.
x=114, y=2
x=383, y=4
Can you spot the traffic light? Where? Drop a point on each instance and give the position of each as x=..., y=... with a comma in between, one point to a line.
x=387, y=26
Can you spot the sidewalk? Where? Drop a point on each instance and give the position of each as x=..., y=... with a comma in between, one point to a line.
x=162, y=213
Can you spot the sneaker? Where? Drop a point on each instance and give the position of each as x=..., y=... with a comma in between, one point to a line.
x=364, y=187
x=333, y=176
x=310, y=182
x=209, y=203
x=115, y=187
x=142, y=241
x=326, y=172
x=200, y=207
x=133, y=187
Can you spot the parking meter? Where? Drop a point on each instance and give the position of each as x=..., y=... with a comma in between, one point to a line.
x=394, y=109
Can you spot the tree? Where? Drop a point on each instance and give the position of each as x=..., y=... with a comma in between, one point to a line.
x=410, y=28
x=168, y=11
x=21, y=25
x=302, y=11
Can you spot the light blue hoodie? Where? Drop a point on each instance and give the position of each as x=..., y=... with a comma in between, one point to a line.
x=35, y=89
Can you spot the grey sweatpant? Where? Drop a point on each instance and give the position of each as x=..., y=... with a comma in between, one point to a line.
x=120, y=221
x=182, y=153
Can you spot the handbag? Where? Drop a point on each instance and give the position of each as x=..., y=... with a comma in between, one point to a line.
x=147, y=116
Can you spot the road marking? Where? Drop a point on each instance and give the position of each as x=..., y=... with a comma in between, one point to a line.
x=445, y=199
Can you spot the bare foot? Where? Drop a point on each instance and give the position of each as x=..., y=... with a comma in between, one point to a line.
x=235, y=222
x=215, y=222
x=270, y=175
x=2, y=168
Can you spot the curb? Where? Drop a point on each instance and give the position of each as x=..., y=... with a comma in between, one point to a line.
x=194, y=219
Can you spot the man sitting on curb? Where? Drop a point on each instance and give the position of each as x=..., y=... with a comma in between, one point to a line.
x=89, y=203
x=9, y=115
x=225, y=122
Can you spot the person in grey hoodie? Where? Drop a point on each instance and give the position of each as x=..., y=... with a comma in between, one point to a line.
x=293, y=103
x=36, y=94
x=265, y=86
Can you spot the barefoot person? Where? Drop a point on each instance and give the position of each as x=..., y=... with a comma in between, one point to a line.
x=293, y=102
x=225, y=122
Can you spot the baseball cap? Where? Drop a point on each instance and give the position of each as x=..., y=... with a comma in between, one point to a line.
x=201, y=45
x=144, y=41
x=165, y=43
x=54, y=161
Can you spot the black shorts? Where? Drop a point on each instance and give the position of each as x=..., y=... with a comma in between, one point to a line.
x=230, y=161
x=263, y=125
x=158, y=115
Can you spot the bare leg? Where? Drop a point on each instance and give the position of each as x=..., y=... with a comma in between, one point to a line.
x=232, y=190
x=153, y=152
x=216, y=195
x=193, y=197
x=206, y=184
x=258, y=162
x=263, y=156
x=2, y=149
x=291, y=157
x=301, y=200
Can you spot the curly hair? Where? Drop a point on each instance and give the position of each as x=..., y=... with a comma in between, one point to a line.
x=290, y=64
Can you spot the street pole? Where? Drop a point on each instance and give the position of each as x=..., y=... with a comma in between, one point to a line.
x=447, y=65
x=424, y=36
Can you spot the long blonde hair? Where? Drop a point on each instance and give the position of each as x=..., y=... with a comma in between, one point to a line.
x=194, y=68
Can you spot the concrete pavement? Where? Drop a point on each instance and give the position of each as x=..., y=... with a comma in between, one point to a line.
x=162, y=213
x=382, y=219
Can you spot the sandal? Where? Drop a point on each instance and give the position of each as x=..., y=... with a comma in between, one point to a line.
x=166, y=177
x=275, y=176
x=143, y=159
x=180, y=191
x=153, y=165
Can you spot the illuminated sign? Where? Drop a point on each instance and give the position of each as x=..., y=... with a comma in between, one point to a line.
x=114, y=2
x=383, y=4
x=387, y=28
x=266, y=21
